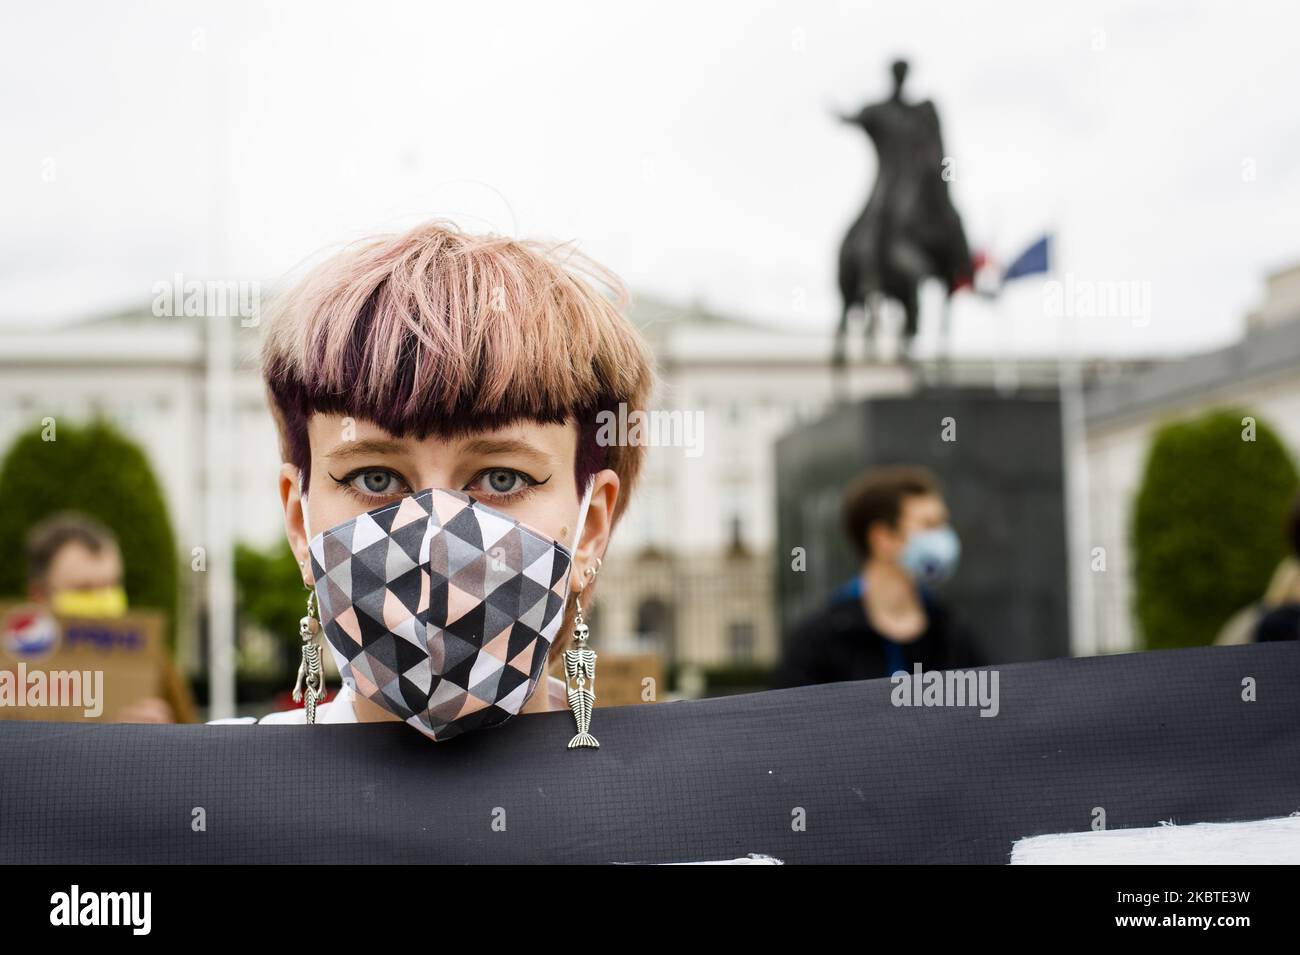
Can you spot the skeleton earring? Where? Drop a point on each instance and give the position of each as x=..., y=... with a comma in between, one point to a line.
x=309, y=671
x=580, y=672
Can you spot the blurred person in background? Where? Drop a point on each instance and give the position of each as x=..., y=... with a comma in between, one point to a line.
x=1282, y=621
x=886, y=619
x=74, y=567
x=1283, y=587
x=1276, y=614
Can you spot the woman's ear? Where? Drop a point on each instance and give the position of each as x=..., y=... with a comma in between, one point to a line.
x=295, y=523
x=596, y=528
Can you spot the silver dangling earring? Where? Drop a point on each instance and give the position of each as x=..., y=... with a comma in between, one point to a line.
x=310, y=671
x=580, y=669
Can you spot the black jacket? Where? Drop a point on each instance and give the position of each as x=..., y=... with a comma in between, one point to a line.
x=1280, y=623
x=839, y=643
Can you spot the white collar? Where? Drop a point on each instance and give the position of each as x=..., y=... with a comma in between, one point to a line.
x=340, y=709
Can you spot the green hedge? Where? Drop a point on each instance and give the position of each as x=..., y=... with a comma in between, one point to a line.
x=270, y=593
x=96, y=470
x=1207, y=525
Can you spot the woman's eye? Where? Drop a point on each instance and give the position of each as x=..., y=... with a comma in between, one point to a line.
x=376, y=482
x=501, y=481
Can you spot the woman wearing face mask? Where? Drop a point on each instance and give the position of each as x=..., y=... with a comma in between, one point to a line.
x=886, y=619
x=448, y=482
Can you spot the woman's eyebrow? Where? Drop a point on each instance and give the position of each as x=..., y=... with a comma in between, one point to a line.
x=487, y=446
x=352, y=449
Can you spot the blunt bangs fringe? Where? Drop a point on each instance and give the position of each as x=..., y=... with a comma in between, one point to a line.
x=441, y=332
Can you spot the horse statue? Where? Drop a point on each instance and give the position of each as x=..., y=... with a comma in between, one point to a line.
x=909, y=229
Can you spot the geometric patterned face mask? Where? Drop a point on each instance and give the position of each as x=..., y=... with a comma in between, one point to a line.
x=440, y=609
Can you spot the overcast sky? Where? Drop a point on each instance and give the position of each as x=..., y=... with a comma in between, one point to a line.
x=688, y=145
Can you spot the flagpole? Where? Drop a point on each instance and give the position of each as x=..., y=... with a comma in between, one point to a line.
x=1074, y=463
x=1006, y=376
x=219, y=424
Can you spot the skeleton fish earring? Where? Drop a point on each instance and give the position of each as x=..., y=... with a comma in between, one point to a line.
x=580, y=672
x=310, y=673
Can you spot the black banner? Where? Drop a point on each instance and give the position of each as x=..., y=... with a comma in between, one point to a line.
x=834, y=773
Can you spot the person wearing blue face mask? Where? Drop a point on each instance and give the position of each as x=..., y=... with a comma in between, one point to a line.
x=886, y=618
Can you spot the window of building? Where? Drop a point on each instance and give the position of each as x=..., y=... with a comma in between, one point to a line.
x=654, y=627
x=741, y=641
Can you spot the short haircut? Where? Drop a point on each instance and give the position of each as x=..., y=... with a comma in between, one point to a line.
x=47, y=538
x=877, y=495
x=438, y=331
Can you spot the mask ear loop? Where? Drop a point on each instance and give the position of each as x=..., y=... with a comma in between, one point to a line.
x=582, y=515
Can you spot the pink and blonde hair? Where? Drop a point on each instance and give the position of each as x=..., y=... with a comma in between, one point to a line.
x=440, y=332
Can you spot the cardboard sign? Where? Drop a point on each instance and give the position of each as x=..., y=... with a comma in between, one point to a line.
x=76, y=669
x=621, y=678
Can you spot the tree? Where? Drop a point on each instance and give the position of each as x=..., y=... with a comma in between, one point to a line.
x=1208, y=524
x=270, y=594
x=96, y=470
